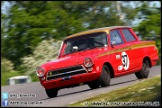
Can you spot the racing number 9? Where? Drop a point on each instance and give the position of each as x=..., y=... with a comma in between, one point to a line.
x=125, y=60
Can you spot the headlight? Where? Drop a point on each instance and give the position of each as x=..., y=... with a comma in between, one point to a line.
x=88, y=62
x=40, y=71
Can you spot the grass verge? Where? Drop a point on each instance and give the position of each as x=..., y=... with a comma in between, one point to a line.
x=143, y=93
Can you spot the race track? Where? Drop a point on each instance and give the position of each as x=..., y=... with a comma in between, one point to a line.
x=69, y=95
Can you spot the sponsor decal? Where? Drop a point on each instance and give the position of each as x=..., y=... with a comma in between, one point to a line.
x=117, y=56
x=120, y=67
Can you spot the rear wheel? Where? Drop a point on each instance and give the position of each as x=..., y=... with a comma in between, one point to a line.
x=51, y=92
x=145, y=70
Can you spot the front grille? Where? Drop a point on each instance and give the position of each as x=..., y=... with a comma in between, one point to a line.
x=66, y=72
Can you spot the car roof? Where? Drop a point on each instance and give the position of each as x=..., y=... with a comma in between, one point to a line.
x=103, y=29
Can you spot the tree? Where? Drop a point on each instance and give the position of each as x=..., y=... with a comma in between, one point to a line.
x=150, y=27
x=30, y=22
x=7, y=65
x=45, y=51
x=27, y=23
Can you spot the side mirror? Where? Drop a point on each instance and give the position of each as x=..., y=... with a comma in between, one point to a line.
x=75, y=48
x=112, y=44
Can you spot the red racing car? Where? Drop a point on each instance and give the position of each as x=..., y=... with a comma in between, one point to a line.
x=95, y=56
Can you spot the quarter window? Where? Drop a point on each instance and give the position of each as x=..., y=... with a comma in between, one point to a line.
x=128, y=35
x=116, y=37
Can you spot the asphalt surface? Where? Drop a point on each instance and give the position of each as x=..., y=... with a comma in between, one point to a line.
x=67, y=95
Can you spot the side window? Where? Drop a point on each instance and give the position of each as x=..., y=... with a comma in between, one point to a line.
x=116, y=37
x=128, y=35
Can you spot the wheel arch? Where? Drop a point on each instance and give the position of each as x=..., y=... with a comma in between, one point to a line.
x=148, y=58
x=110, y=68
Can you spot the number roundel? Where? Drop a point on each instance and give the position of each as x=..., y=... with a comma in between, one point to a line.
x=125, y=60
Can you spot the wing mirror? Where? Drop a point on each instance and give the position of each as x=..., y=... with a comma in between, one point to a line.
x=112, y=44
x=75, y=48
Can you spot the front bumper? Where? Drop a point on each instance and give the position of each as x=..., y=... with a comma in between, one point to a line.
x=77, y=79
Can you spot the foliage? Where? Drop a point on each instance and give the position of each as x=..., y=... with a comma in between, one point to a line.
x=34, y=77
x=7, y=70
x=30, y=22
x=45, y=51
x=6, y=65
x=151, y=24
x=150, y=27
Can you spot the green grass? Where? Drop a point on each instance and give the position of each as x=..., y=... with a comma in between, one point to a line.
x=145, y=90
x=34, y=77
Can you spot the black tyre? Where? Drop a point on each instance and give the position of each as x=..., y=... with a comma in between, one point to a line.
x=105, y=77
x=145, y=70
x=94, y=84
x=51, y=92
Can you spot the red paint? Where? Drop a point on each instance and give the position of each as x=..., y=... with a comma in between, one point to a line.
x=135, y=52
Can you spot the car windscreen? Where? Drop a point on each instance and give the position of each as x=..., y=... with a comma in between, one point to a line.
x=87, y=41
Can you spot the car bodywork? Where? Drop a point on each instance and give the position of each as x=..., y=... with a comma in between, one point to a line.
x=122, y=52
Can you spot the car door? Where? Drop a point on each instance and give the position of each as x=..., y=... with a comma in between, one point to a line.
x=121, y=54
x=130, y=41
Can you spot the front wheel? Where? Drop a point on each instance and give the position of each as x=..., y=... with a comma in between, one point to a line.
x=145, y=70
x=103, y=80
x=51, y=92
x=105, y=76
x=94, y=84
